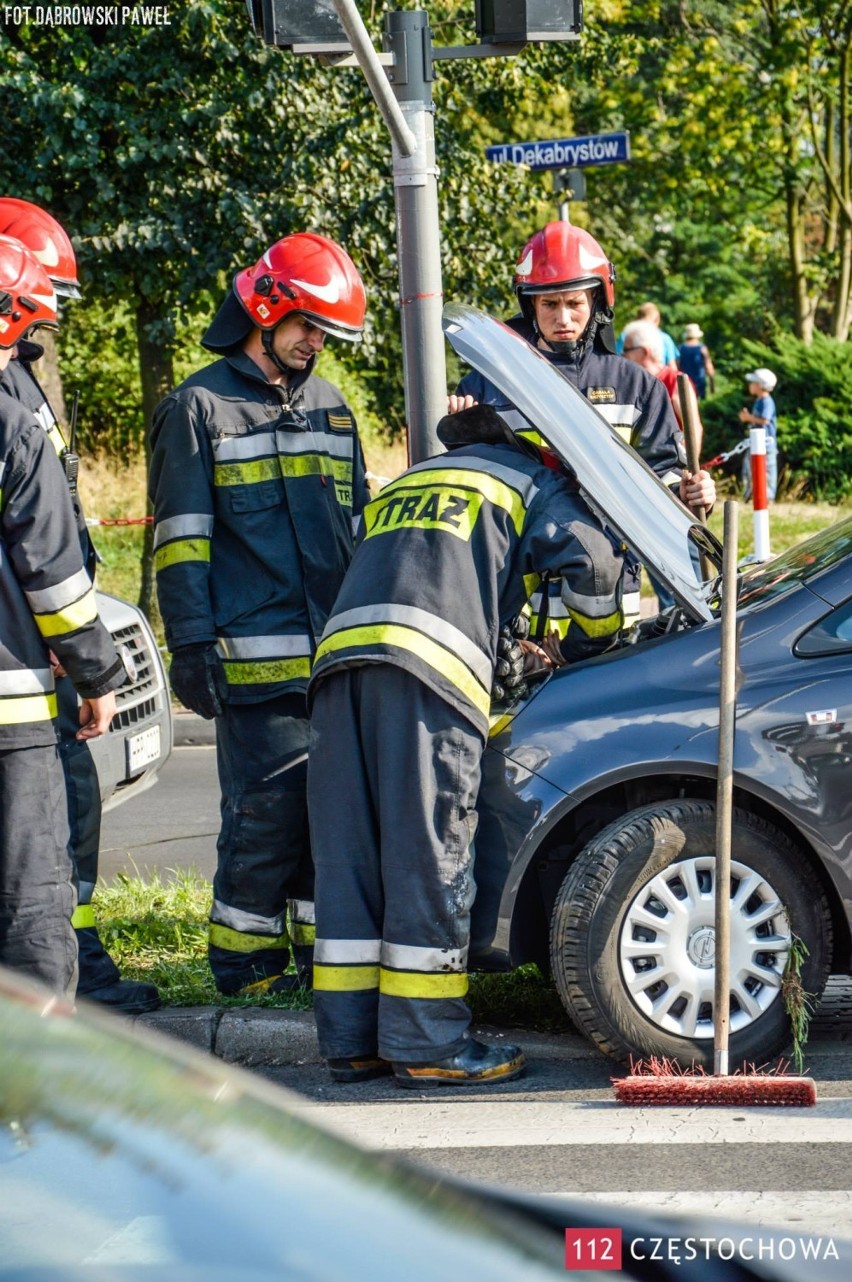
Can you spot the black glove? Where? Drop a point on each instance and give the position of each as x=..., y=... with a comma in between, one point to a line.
x=198, y=679
x=509, y=680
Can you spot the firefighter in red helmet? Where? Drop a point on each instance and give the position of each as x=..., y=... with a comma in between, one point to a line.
x=99, y=978
x=564, y=284
x=258, y=482
x=46, y=605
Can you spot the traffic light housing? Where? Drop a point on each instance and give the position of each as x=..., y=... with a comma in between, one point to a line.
x=282, y=23
x=522, y=21
x=315, y=22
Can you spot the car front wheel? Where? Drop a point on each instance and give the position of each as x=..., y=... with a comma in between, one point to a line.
x=633, y=937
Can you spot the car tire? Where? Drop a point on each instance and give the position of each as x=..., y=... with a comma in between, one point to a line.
x=657, y=863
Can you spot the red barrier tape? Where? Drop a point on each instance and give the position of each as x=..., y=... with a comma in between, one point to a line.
x=119, y=520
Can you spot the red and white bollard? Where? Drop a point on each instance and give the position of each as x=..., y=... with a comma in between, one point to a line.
x=760, y=502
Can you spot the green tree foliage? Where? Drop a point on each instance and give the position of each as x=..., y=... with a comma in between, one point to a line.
x=174, y=155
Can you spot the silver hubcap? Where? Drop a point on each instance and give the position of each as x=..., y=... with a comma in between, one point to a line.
x=667, y=947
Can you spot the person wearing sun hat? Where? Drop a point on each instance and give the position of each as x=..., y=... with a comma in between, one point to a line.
x=694, y=360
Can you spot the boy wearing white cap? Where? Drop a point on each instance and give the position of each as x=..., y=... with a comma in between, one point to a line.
x=761, y=385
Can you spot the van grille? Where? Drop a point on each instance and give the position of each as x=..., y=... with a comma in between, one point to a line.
x=139, y=712
x=134, y=699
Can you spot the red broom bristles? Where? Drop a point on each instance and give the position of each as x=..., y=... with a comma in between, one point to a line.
x=663, y=1081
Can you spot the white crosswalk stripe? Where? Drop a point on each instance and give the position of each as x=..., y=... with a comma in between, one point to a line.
x=506, y=1123
x=673, y=1161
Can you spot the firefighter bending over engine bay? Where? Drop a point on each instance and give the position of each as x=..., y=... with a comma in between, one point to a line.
x=400, y=698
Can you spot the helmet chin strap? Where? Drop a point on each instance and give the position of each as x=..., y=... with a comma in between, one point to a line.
x=266, y=337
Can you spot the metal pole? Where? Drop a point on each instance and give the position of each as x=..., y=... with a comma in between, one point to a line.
x=689, y=414
x=725, y=794
x=368, y=61
x=415, y=180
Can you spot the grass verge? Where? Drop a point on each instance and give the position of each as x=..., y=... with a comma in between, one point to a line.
x=156, y=931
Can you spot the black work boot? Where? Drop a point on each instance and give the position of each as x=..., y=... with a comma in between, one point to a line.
x=126, y=996
x=478, y=1064
x=361, y=1068
x=100, y=981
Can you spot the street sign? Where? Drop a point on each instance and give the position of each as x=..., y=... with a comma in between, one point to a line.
x=564, y=153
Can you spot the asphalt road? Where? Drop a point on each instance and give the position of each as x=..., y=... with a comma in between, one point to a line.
x=172, y=825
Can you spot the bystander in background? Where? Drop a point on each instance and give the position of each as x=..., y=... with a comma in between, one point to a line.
x=694, y=360
x=643, y=344
x=761, y=384
x=650, y=313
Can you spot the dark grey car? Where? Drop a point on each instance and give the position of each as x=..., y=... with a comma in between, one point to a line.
x=596, y=845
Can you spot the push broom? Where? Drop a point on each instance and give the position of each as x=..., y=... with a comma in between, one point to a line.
x=662, y=1081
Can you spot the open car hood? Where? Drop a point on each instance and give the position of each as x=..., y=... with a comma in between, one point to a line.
x=616, y=483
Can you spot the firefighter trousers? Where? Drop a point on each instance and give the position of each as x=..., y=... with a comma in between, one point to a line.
x=96, y=967
x=36, y=890
x=392, y=785
x=264, y=864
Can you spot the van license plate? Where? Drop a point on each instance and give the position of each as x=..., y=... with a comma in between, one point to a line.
x=142, y=749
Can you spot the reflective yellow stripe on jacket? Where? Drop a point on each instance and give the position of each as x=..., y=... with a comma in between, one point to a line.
x=266, y=456
x=431, y=638
x=64, y=607
x=449, y=499
x=26, y=694
x=256, y=660
x=182, y=538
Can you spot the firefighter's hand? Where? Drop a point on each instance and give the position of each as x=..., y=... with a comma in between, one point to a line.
x=197, y=677
x=55, y=666
x=96, y=715
x=536, y=659
x=697, y=490
x=509, y=668
x=455, y=404
x=552, y=646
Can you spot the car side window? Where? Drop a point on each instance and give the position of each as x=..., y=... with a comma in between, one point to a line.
x=832, y=635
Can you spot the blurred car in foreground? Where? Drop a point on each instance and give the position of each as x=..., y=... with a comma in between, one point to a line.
x=131, y=1158
x=130, y=757
x=595, y=853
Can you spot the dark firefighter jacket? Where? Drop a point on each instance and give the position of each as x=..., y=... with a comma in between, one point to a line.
x=19, y=380
x=450, y=552
x=46, y=596
x=631, y=400
x=256, y=490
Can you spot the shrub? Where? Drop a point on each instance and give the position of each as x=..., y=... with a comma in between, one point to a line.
x=813, y=396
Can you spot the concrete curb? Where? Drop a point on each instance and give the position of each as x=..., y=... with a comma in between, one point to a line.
x=245, y=1036
x=256, y=1037
x=192, y=731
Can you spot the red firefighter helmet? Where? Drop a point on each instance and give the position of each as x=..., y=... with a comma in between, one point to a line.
x=561, y=256
x=27, y=297
x=309, y=274
x=44, y=237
